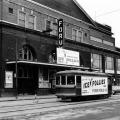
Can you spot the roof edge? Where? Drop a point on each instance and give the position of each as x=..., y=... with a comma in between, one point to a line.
x=80, y=7
x=59, y=12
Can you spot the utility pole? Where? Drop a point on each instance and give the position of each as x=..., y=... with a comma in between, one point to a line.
x=16, y=68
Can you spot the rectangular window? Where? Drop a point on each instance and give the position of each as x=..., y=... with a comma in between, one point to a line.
x=70, y=80
x=118, y=64
x=63, y=80
x=10, y=10
x=31, y=21
x=77, y=35
x=58, y=80
x=96, y=61
x=54, y=29
x=95, y=39
x=21, y=18
x=74, y=34
x=109, y=63
x=48, y=25
x=108, y=43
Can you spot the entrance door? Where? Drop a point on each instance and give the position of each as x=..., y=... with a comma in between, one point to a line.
x=27, y=80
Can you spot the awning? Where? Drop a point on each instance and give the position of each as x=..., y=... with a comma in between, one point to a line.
x=48, y=64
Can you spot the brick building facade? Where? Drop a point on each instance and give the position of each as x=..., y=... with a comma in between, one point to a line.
x=29, y=43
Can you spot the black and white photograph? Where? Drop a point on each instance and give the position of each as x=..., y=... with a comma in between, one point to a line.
x=59, y=60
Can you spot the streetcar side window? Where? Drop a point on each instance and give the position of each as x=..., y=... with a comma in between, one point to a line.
x=78, y=80
x=58, y=80
x=63, y=80
x=70, y=80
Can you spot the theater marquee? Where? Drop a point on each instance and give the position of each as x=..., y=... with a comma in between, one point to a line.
x=67, y=57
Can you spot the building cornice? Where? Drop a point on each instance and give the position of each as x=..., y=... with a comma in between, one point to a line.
x=42, y=34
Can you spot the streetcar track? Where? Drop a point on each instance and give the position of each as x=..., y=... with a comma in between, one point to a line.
x=33, y=106
x=37, y=101
x=32, y=103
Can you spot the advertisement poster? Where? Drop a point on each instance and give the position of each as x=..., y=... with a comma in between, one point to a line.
x=67, y=57
x=8, y=79
x=94, y=85
x=44, y=84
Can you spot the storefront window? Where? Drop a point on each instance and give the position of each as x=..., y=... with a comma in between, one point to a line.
x=25, y=72
x=45, y=75
x=96, y=61
x=118, y=64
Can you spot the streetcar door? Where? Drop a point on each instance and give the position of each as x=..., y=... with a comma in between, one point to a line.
x=78, y=85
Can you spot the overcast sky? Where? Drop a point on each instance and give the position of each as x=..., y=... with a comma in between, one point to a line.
x=105, y=12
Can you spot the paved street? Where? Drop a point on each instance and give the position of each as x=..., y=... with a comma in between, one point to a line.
x=53, y=109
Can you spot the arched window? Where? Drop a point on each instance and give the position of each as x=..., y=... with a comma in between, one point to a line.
x=26, y=54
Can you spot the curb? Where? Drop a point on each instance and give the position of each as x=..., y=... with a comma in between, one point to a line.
x=5, y=99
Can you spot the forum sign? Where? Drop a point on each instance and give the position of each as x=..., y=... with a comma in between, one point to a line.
x=60, y=32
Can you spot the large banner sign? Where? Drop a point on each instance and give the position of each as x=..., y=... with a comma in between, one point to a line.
x=94, y=85
x=67, y=57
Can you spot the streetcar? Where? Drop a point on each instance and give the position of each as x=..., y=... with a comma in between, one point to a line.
x=77, y=84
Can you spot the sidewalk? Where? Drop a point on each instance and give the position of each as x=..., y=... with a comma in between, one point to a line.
x=26, y=97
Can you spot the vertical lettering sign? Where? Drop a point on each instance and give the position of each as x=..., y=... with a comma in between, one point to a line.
x=60, y=32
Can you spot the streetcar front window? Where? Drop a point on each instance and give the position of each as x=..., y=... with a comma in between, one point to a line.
x=70, y=80
x=63, y=80
x=58, y=80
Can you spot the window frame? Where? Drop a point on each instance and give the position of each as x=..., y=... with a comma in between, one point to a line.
x=72, y=80
x=34, y=27
x=51, y=27
x=19, y=17
x=106, y=63
x=76, y=36
x=99, y=60
x=29, y=54
x=9, y=10
x=118, y=64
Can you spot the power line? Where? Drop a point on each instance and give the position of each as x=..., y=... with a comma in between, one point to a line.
x=108, y=13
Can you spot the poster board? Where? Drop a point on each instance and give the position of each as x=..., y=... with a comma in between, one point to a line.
x=8, y=79
x=94, y=85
